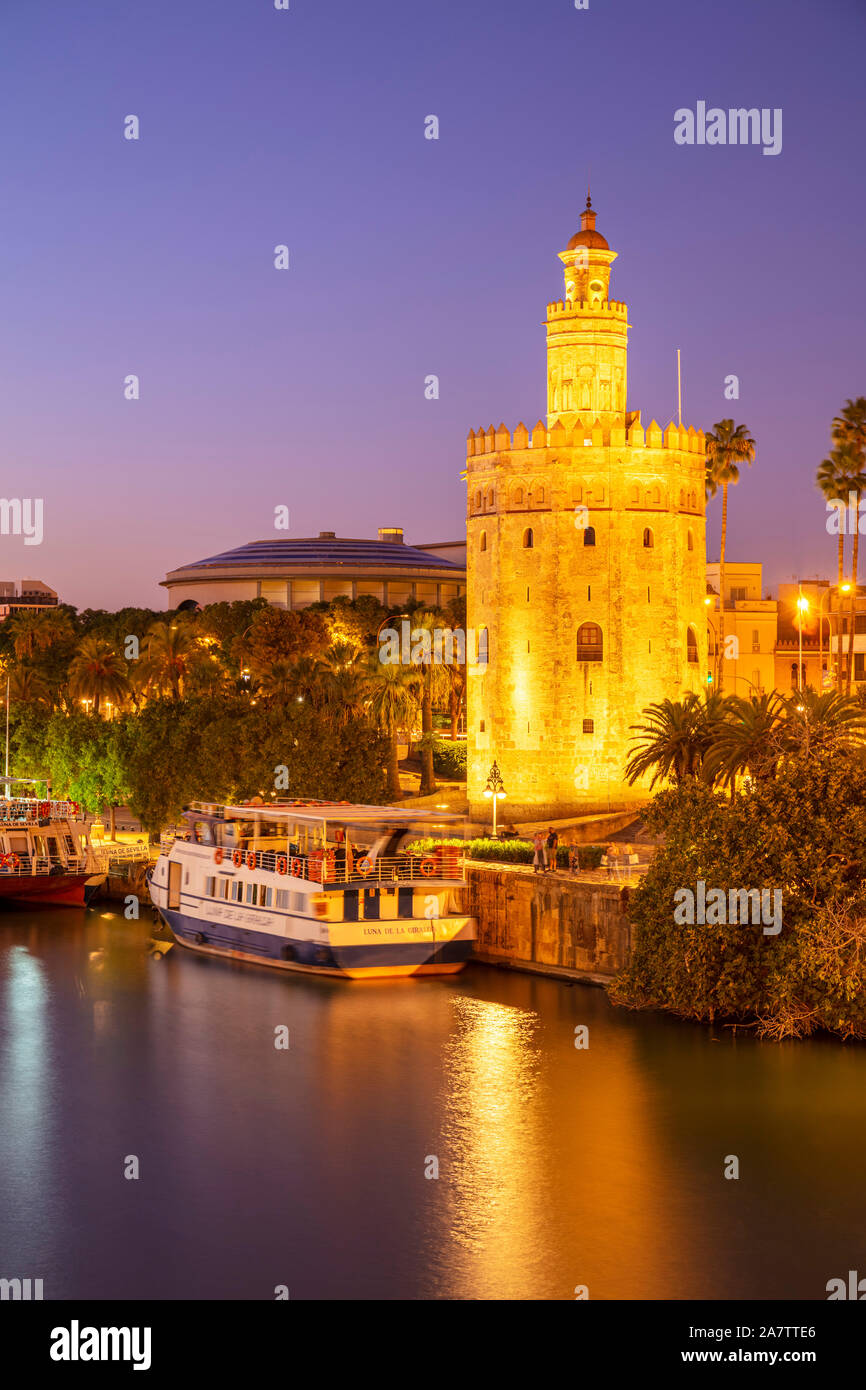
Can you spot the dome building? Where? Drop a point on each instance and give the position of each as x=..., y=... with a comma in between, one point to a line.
x=585, y=564
x=293, y=573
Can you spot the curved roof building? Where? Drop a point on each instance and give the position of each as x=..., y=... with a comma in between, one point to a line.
x=293, y=573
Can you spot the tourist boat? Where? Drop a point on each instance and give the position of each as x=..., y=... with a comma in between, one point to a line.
x=46, y=857
x=318, y=886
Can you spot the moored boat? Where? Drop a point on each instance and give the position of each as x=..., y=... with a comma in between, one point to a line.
x=323, y=887
x=46, y=857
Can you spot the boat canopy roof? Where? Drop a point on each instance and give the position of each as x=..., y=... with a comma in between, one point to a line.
x=318, y=811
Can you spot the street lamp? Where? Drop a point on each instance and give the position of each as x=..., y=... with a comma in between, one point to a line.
x=843, y=589
x=802, y=607
x=496, y=789
x=707, y=601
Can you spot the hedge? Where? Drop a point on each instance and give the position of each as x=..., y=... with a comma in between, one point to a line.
x=514, y=851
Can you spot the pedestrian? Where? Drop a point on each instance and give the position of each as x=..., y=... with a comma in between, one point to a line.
x=574, y=859
x=538, y=846
x=551, y=845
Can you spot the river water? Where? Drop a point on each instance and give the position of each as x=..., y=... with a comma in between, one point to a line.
x=305, y=1167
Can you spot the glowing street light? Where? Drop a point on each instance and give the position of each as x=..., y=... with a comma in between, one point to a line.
x=803, y=607
x=496, y=789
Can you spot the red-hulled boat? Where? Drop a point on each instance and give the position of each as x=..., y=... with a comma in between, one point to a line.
x=46, y=857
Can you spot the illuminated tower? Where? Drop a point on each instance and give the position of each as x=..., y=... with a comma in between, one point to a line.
x=586, y=566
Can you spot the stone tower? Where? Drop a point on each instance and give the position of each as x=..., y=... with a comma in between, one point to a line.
x=586, y=567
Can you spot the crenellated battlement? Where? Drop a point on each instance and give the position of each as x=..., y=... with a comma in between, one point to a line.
x=498, y=440
x=573, y=308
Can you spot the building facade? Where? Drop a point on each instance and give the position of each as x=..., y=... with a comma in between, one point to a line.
x=28, y=593
x=293, y=573
x=585, y=564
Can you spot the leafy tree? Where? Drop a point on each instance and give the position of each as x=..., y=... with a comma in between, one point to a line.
x=801, y=833
x=393, y=705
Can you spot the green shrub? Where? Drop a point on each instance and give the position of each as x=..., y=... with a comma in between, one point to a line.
x=513, y=851
x=802, y=833
x=449, y=759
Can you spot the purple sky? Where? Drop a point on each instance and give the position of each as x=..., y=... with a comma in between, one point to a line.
x=408, y=257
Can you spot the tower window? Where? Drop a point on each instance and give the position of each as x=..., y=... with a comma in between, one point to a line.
x=482, y=646
x=590, y=643
x=691, y=646
x=490, y=497
x=528, y=540
x=517, y=497
x=481, y=726
x=482, y=545
x=478, y=501
x=589, y=535
x=589, y=726
x=647, y=538
x=690, y=541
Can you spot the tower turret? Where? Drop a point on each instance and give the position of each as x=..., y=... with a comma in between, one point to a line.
x=587, y=335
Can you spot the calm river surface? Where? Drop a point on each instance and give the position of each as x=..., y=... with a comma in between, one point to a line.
x=259, y=1167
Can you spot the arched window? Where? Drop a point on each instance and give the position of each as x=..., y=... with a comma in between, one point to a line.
x=691, y=645
x=589, y=535
x=483, y=643
x=490, y=497
x=647, y=538
x=590, y=644
x=478, y=501
x=538, y=498
x=690, y=541
x=517, y=498
x=656, y=496
x=528, y=539
x=483, y=542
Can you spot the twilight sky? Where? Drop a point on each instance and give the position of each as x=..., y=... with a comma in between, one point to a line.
x=408, y=256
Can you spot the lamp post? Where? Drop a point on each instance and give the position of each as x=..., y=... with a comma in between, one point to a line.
x=842, y=589
x=708, y=601
x=496, y=789
x=802, y=607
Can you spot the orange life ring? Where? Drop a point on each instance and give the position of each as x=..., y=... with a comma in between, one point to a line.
x=44, y=810
x=251, y=859
x=297, y=868
x=365, y=866
x=218, y=856
x=237, y=858
x=13, y=860
x=428, y=866
x=282, y=866
x=76, y=809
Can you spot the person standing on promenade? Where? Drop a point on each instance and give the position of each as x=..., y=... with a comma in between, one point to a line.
x=551, y=845
x=538, y=846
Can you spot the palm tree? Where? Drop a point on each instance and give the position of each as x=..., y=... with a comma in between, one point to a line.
x=832, y=479
x=393, y=705
x=38, y=630
x=849, y=433
x=831, y=719
x=674, y=740
x=170, y=654
x=26, y=687
x=728, y=445
x=278, y=680
x=432, y=683
x=745, y=739
x=343, y=680
x=97, y=672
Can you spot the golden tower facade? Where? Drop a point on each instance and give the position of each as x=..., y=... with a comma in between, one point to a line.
x=585, y=567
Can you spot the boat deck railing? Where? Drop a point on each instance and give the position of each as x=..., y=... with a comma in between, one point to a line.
x=25, y=864
x=32, y=812
x=383, y=868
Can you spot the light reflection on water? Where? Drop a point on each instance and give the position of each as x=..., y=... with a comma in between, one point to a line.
x=557, y=1166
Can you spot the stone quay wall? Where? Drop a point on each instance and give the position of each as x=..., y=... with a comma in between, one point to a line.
x=550, y=924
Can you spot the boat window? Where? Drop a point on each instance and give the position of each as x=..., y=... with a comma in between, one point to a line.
x=282, y=899
x=265, y=897
x=252, y=893
x=237, y=891
x=227, y=834
x=209, y=885
x=202, y=832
